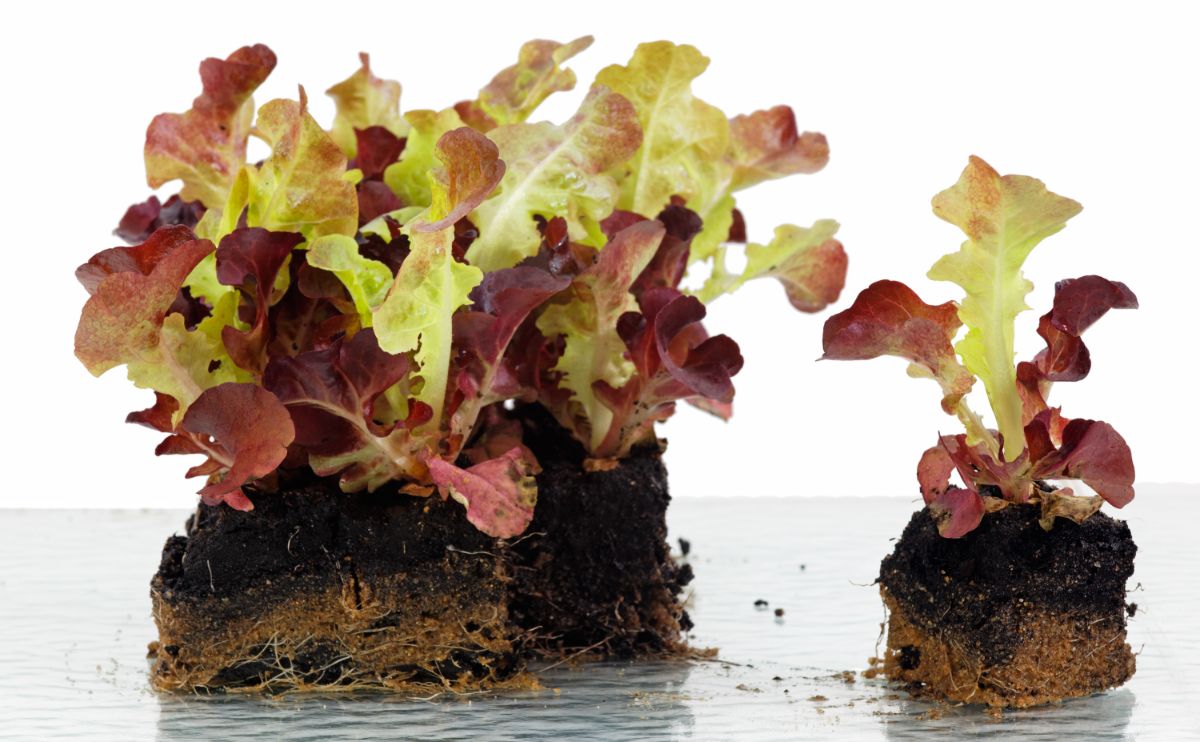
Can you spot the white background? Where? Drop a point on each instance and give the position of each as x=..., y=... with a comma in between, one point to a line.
x=1098, y=101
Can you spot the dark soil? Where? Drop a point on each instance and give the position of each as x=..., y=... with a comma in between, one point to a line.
x=312, y=534
x=1009, y=558
x=983, y=602
x=314, y=586
x=594, y=570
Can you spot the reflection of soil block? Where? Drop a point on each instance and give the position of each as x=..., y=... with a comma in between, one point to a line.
x=1009, y=615
x=319, y=588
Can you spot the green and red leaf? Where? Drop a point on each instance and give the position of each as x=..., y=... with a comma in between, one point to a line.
x=499, y=494
x=206, y=146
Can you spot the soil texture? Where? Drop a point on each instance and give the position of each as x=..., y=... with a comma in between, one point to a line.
x=1009, y=615
x=318, y=589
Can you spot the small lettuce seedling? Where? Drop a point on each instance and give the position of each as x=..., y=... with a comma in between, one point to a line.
x=364, y=300
x=1004, y=218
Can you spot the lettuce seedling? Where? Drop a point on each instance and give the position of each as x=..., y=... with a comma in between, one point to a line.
x=365, y=300
x=1004, y=218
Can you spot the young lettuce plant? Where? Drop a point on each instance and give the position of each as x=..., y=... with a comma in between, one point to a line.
x=1004, y=218
x=364, y=300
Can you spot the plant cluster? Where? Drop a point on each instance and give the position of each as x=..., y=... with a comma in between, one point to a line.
x=365, y=300
x=1004, y=219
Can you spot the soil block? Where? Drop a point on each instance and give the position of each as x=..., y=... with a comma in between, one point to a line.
x=318, y=589
x=594, y=573
x=1010, y=615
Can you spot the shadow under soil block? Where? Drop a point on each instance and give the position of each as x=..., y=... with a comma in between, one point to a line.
x=317, y=589
x=1009, y=615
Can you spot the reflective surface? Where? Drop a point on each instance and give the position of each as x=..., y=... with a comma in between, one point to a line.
x=74, y=622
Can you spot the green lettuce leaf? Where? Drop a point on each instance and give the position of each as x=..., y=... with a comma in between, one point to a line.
x=594, y=350
x=683, y=138
x=367, y=280
x=409, y=178
x=364, y=100
x=516, y=91
x=810, y=264
x=1004, y=218
x=302, y=186
x=555, y=171
x=418, y=311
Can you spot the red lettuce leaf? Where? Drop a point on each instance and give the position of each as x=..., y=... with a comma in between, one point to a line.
x=1091, y=452
x=140, y=259
x=132, y=290
x=141, y=220
x=888, y=318
x=159, y=417
x=250, y=259
x=1078, y=303
x=483, y=375
x=669, y=263
x=244, y=431
x=374, y=200
x=377, y=148
x=332, y=395
x=766, y=144
x=956, y=511
x=206, y=146
x=674, y=359
x=499, y=494
x=314, y=311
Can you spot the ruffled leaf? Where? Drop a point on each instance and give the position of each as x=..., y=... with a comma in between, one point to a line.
x=500, y=304
x=333, y=396
x=242, y=429
x=206, y=146
x=554, y=171
x=1004, y=218
x=142, y=220
x=418, y=311
x=368, y=281
x=1091, y=452
x=765, y=145
x=810, y=264
x=409, y=178
x=127, y=321
x=499, y=494
x=364, y=100
x=301, y=187
x=888, y=318
x=516, y=91
x=674, y=358
x=471, y=170
x=594, y=351
x=250, y=259
x=683, y=139
x=1078, y=303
